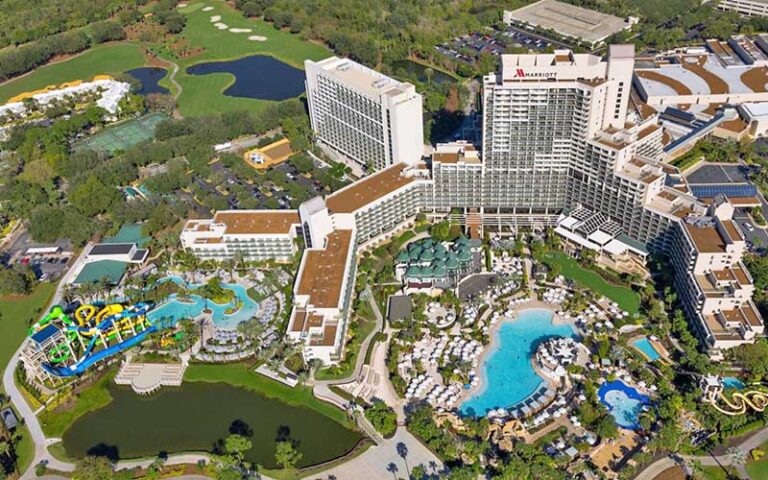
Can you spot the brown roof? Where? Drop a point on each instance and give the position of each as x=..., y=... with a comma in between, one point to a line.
x=752, y=316
x=367, y=190
x=329, y=336
x=651, y=178
x=303, y=321
x=446, y=157
x=733, y=232
x=716, y=84
x=737, y=125
x=741, y=275
x=755, y=79
x=706, y=239
x=324, y=270
x=676, y=85
x=254, y=222
x=647, y=131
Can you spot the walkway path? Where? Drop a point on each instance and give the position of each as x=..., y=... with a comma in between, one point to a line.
x=750, y=443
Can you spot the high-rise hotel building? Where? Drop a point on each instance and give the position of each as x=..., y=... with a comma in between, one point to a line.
x=368, y=117
x=559, y=149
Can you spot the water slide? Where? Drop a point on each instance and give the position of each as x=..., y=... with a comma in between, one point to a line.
x=112, y=322
x=88, y=361
x=56, y=313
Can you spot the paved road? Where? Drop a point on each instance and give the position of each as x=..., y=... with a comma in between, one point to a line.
x=375, y=463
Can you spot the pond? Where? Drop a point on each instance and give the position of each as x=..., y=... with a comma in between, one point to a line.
x=414, y=69
x=257, y=76
x=149, y=76
x=196, y=416
x=507, y=375
x=175, y=309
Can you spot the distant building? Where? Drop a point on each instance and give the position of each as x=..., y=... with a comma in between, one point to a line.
x=585, y=26
x=745, y=7
x=368, y=117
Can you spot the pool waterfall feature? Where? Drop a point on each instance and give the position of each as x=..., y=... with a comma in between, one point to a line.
x=507, y=375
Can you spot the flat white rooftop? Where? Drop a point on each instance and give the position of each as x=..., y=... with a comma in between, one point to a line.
x=701, y=75
x=360, y=77
x=568, y=20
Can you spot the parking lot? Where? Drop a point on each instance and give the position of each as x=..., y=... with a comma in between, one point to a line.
x=236, y=190
x=468, y=48
x=47, y=266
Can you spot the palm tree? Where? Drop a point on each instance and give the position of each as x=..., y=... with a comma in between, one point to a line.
x=737, y=457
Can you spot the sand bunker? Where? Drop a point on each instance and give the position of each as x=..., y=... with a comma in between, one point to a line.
x=221, y=26
x=240, y=30
x=181, y=5
x=216, y=18
x=257, y=38
x=207, y=9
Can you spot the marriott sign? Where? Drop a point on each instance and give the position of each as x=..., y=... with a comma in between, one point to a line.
x=521, y=73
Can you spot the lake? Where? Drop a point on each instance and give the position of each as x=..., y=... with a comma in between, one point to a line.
x=259, y=76
x=414, y=69
x=197, y=415
x=149, y=76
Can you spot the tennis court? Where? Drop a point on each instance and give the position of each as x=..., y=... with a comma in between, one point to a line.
x=124, y=135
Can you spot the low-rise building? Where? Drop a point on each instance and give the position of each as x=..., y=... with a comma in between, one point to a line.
x=254, y=234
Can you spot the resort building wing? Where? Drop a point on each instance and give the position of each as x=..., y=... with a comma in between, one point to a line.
x=564, y=146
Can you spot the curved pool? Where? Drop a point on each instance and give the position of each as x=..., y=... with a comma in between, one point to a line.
x=507, y=376
x=175, y=309
x=624, y=403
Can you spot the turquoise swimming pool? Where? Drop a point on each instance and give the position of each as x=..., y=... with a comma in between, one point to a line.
x=507, y=376
x=175, y=309
x=624, y=403
x=733, y=382
x=645, y=346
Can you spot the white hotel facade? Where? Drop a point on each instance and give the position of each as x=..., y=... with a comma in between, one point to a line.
x=556, y=139
x=367, y=116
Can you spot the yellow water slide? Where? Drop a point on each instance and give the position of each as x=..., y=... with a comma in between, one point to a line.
x=84, y=313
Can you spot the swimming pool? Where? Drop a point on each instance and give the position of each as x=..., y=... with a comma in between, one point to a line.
x=645, y=346
x=176, y=309
x=507, y=376
x=624, y=403
x=733, y=382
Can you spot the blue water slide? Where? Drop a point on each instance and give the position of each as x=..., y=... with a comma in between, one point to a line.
x=89, y=360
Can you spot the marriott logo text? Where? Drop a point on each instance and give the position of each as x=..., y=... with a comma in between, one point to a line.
x=521, y=73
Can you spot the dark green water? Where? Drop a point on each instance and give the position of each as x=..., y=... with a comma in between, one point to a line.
x=195, y=416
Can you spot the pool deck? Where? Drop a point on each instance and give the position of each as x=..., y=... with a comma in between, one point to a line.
x=657, y=345
x=493, y=334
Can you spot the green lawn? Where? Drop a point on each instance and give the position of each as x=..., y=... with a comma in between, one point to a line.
x=570, y=268
x=716, y=473
x=16, y=314
x=102, y=59
x=202, y=94
x=759, y=469
x=241, y=376
x=93, y=398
